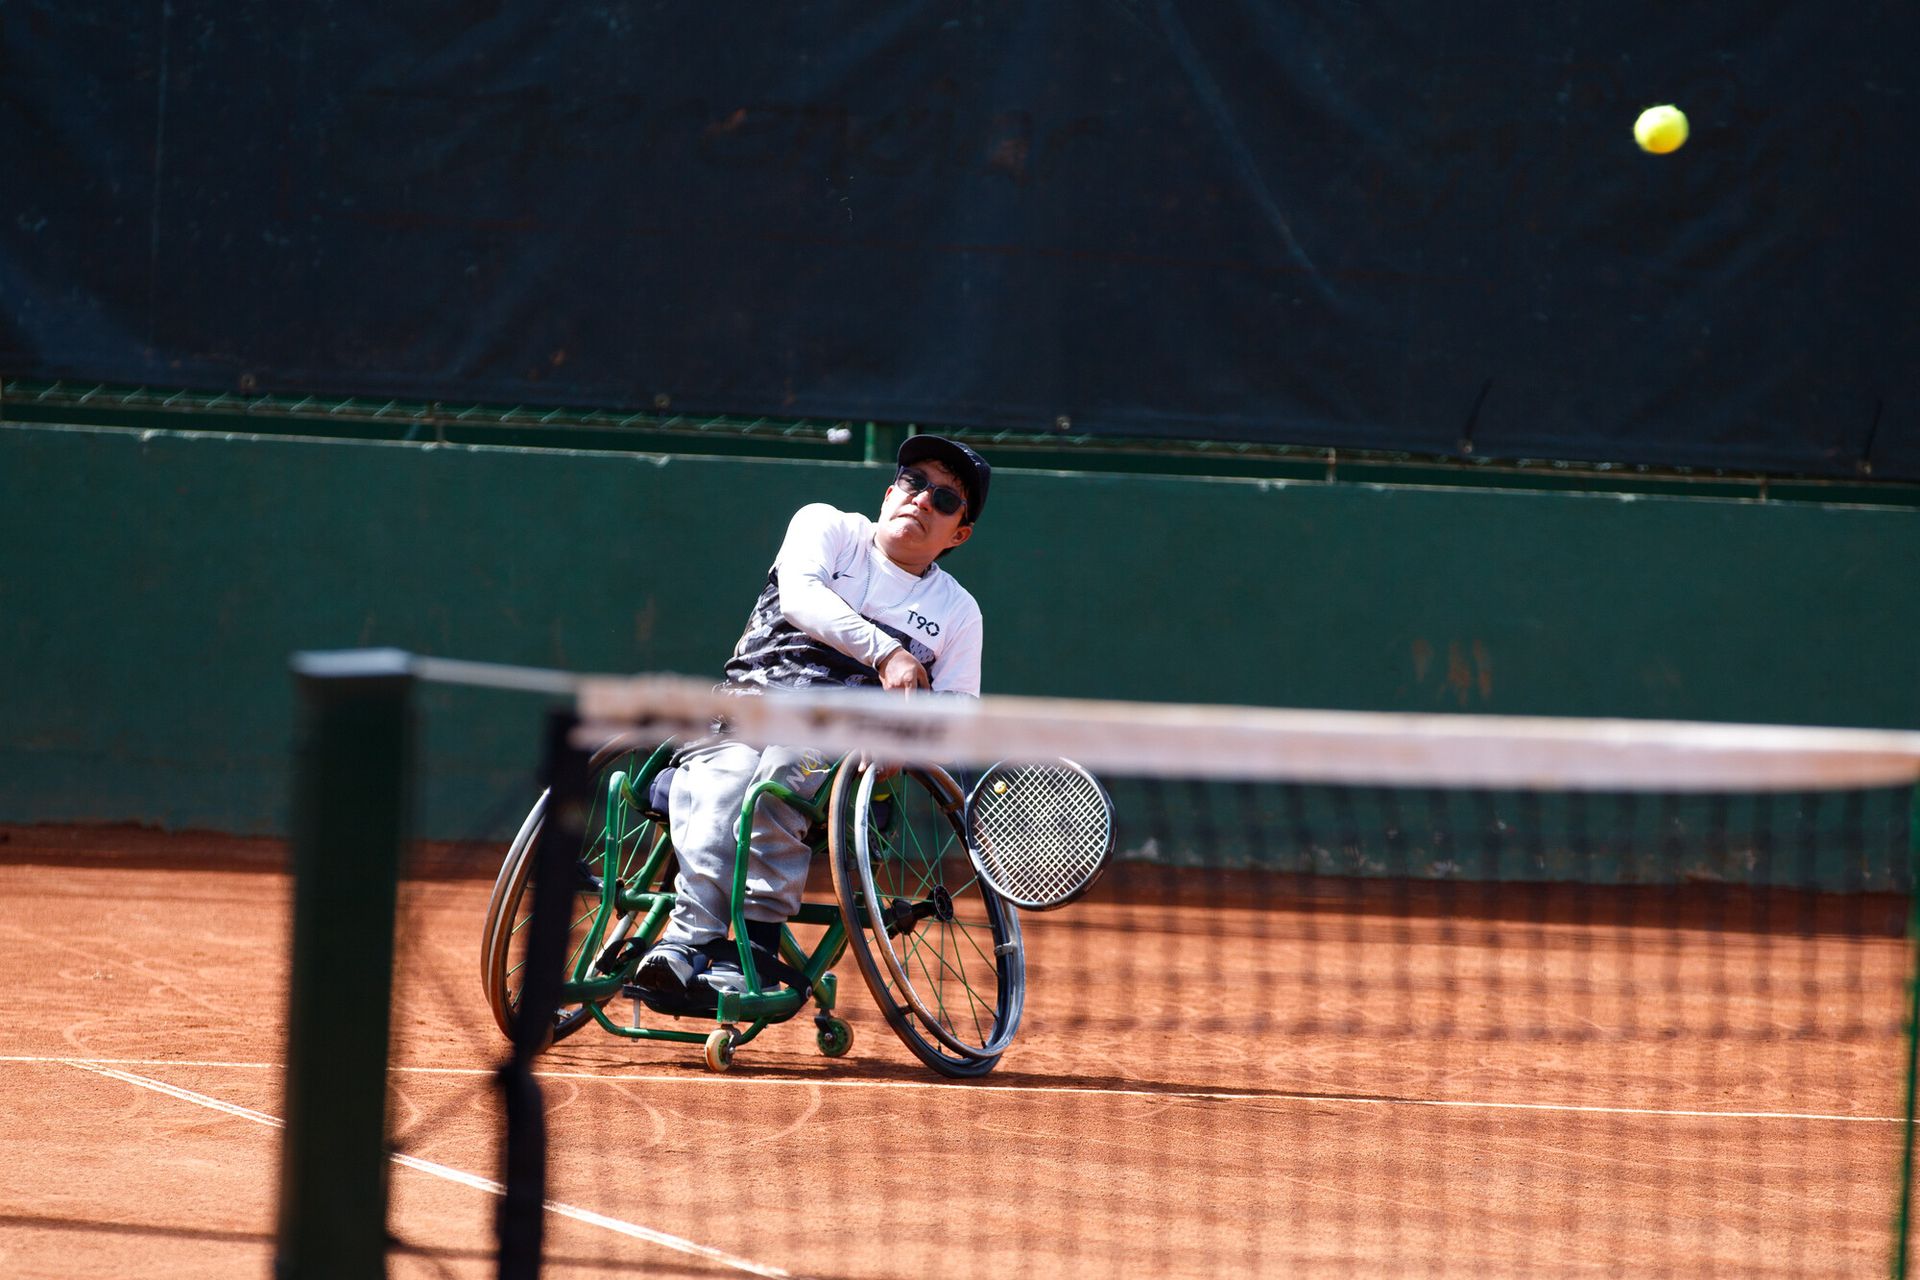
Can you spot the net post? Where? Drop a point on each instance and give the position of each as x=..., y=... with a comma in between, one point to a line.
x=351, y=820
x=1903, y=1216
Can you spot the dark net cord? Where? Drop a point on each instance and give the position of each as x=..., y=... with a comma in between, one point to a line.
x=521, y=1215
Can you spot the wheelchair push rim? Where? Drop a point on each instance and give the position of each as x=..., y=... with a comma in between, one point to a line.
x=940, y=951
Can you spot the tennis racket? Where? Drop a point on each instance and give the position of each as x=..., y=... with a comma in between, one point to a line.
x=1040, y=835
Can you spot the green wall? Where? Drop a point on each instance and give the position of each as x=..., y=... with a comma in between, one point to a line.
x=152, y=585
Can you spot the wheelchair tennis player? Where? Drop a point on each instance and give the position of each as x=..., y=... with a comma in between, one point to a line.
x=848, y=601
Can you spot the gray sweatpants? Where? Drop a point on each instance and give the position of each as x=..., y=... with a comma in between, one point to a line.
x=704, y=817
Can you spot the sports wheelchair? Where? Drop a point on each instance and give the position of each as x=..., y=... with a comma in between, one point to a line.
x=939, y=949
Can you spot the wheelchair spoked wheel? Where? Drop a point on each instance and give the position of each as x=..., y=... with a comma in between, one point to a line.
x=510, y=909
x=939, y=950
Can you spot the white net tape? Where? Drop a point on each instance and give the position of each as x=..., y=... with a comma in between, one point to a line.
x=1372, y=748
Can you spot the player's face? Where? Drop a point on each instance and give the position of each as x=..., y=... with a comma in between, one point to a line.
x=912, y=529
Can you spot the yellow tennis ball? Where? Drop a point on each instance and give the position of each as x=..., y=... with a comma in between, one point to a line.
x=999, y=786
x=1661, y=129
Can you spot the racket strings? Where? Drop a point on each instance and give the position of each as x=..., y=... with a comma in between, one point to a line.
x=1041, y=832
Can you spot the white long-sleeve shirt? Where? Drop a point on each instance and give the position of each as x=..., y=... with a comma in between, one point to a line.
x=834, y=607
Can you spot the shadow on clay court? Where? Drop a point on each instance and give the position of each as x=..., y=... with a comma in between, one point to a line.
x=102, y=1226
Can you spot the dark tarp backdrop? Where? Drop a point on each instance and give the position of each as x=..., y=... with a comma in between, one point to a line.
x=1406, y=227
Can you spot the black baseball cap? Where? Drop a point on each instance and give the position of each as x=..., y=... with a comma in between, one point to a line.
x=968, y=467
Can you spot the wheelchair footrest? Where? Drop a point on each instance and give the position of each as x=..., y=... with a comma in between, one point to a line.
x=774, y=1006
x=691, y=1005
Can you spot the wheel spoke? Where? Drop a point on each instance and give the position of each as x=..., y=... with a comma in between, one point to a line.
x=919, y=948
x=956, y=966
x=967, y=931
x=935, y=986
x=925, y=879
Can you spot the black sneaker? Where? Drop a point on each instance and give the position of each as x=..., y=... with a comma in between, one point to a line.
x=668, y=981
x=669, y=969
x=723, y=972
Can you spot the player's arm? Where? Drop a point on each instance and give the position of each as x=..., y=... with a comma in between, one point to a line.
x=808, y=600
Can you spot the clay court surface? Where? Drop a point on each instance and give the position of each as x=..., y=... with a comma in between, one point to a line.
x=1289, y=1085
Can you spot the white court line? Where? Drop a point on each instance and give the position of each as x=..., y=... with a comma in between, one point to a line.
x=1178, y=1095
x=464, y=1179
x=68, y=1060
x=175, y=1091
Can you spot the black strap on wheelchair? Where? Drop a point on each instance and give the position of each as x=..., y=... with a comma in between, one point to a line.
x=764, y=935
x=772, y=969
x=618, y=956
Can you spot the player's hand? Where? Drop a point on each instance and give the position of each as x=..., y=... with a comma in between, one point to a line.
x=898, y=670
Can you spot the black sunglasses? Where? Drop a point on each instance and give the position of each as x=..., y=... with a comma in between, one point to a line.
x=913, y=483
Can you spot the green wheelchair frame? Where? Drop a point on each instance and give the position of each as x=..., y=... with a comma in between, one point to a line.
x=939, y=951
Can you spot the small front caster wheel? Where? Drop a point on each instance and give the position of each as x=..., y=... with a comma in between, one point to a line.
x=720, y=1048
x=833, y=1036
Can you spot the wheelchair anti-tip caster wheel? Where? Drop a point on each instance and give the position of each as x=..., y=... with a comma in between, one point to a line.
x=720, y=1048
x=833, y=1036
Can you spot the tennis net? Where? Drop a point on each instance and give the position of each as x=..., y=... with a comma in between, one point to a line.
x=1354, y=995
x=1403, y=994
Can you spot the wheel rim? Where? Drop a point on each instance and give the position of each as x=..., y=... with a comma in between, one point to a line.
x=949, y=945
x=634, y=837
